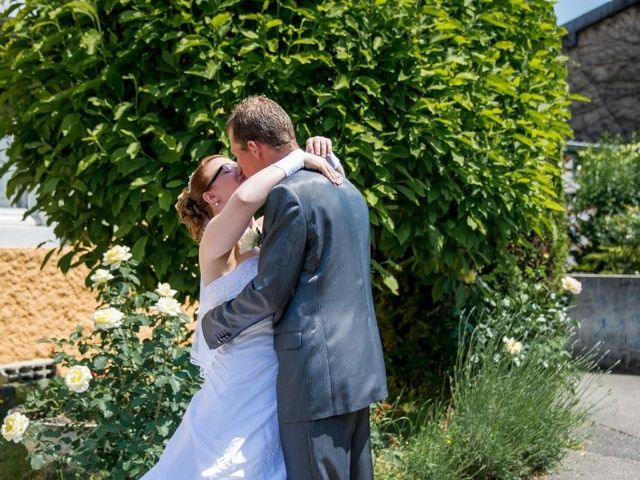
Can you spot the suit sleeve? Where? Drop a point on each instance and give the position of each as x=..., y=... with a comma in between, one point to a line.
x=281, y=260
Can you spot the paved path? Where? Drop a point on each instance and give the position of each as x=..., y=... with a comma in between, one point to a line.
x=613, y=450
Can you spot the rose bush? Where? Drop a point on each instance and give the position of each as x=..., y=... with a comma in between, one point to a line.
x=128, y=380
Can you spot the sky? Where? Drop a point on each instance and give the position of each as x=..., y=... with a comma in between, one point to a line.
x=567, y=10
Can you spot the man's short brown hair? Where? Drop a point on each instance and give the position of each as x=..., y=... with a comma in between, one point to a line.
x=259, y=118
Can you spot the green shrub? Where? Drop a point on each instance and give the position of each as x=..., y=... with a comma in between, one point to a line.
x=133, y=384
x=515, y=405
x=534, y=314
x=450, y=118
x=533, y=410
x=609, y=176
x=603, y=211
x=618, y=239
x=515, y=411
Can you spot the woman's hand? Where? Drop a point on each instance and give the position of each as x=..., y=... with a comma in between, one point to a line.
x=319, y=145
x=314, y=162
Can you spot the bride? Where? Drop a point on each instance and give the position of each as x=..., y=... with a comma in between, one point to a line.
x=230, y=428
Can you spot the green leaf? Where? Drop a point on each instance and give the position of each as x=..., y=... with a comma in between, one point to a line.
x=248, y=48
x=86, y=162
x=403, y=232
x=138, y=248
x=100, y=362
x=372, y=198
x=341, y=82
x=392, y=284
x=65, y=261
x=120, y=110
x=250, y=34
x=69, y=122
x=37, y=461
x=221, y=19
x=165, y=200
x=273, y=23
x=91, y=40
x=375, y=124
x=190, y=42
x=132, y=149
x=369, y=84
x=408, y=193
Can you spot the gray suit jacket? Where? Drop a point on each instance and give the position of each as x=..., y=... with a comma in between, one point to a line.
x=314, y=278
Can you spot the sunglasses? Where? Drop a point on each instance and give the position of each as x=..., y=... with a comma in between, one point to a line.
x=224, y=167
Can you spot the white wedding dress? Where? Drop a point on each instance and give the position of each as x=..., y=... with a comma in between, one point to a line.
x=230, y=428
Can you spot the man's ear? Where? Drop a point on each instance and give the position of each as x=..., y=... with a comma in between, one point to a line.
x=255, y=148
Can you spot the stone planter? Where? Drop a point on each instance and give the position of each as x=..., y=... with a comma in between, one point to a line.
x=608, y=310
x=60, y=424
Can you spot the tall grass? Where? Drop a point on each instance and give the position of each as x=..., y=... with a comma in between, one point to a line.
x=511, y=415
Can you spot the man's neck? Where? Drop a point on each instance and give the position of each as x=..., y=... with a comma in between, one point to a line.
x=280, y=153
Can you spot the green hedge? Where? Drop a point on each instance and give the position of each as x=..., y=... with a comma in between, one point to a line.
x=449, y=116
x=604, y=219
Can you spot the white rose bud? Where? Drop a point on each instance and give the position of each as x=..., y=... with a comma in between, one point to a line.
x=512, y=345
x=101, y=276
x=14, y=426
x=167, y=306
x=571, y=285
x=77, y=378
x=165, y=290
x=107, y=318
x=116, y=256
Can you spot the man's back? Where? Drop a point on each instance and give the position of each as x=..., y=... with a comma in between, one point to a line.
x=327, y=338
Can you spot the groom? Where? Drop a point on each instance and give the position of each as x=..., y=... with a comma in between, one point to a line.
x=314, y=279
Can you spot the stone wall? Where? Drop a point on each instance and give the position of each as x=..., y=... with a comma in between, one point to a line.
x=36, y=303
x=605, y=66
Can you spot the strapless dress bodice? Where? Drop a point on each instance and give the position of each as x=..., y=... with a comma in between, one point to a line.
x=227, y=286
x=223, y=289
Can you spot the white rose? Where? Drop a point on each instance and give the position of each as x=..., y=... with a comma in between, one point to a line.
x=101, y=276
x=167, y=306
x=77, y=378
x=250, y=239
x=165, y=290
x=571, y=285
x=115, y=256
x=512, y=345
x=14, y=426
x=107, y=318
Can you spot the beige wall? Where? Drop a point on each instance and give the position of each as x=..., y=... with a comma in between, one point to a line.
x=36, y=303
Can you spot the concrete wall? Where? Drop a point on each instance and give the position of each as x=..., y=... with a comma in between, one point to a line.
x=35, y=303
x=609, y=311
